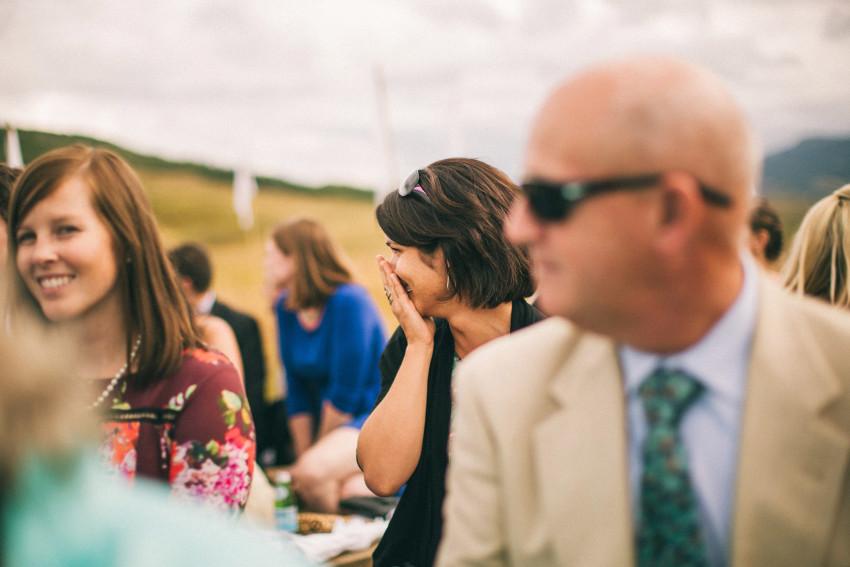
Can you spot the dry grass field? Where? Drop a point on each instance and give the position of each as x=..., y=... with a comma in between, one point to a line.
x=189, y=207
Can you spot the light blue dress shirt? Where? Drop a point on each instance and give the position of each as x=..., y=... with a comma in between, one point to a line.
x=710, y=427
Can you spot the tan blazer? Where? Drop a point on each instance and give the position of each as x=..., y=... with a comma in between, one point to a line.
x=538, y=470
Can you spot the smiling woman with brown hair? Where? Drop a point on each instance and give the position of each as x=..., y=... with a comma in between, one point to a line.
x=454, y=283
x=90, y=264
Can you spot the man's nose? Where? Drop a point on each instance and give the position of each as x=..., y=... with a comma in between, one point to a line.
x=521, y=226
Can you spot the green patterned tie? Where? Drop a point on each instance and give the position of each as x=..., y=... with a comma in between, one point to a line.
x=669, y=532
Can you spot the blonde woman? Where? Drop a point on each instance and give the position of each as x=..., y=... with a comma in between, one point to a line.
x=819, y=261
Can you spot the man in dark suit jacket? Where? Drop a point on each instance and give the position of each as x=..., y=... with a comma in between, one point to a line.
x=274, y=445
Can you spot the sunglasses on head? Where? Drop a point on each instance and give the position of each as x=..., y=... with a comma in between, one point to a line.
x=551, y=201
x=410, y=186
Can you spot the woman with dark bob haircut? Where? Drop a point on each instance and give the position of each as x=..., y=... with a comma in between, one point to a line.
x=90, y=264
x=454, y=283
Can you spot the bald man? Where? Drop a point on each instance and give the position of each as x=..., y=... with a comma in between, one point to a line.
x=678, y=408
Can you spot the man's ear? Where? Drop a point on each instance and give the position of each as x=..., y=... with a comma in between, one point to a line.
x=758, y=242
x=186, y=285
x=682, y=207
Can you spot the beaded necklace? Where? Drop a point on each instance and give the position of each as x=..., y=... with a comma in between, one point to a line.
x=118, y=375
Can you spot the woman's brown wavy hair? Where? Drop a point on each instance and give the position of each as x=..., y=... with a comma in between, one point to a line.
x=154, y=306
x=320, y=264
x=469, y=201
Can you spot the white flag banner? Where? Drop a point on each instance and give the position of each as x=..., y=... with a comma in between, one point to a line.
x=385, y=134
x=14, y=158
x=244, y=191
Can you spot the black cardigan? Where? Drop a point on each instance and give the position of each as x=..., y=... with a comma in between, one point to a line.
x=416, y=526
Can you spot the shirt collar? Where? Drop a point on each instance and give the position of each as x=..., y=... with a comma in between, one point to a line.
x=720, y=359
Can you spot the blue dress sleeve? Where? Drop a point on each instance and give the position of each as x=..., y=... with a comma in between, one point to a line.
x=357, y=339
x=297, y=399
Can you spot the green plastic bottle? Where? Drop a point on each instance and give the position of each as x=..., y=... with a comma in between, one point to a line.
x=285, y=505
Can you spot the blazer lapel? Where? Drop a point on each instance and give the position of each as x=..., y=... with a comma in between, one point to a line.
x=791, y=461
x=581, y=459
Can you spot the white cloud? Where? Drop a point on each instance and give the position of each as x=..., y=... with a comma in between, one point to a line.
x=288, y=87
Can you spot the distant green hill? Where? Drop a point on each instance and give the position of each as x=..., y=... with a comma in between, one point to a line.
x=810, y=170
x=806, y=172
x=34, y=143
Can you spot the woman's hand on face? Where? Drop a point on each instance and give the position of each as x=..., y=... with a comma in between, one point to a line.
x=417, y=329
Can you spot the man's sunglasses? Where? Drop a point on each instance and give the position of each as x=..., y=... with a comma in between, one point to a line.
x=555, y=201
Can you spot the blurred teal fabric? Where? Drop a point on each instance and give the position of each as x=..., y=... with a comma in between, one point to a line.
x=73, y=515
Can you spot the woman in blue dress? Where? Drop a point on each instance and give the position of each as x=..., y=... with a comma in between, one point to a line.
x=330, y=336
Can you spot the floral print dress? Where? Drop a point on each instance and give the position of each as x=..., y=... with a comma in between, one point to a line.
x=192, y=430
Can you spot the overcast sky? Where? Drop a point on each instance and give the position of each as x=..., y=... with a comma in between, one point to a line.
x=288, y=88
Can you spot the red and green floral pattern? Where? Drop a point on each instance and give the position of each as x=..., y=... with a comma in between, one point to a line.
x=193, y=430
